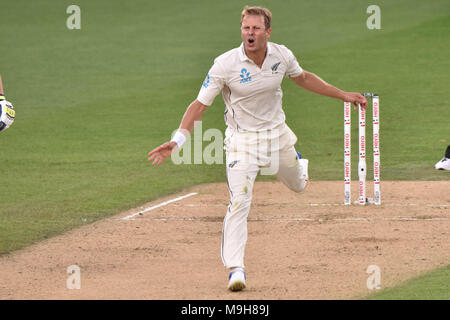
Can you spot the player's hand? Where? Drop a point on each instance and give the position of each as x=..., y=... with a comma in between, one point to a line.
x=356, y=98
x=159, y=154
x=7, y=114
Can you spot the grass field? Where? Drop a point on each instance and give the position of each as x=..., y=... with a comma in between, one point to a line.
x=432, y=286
x=91, y=103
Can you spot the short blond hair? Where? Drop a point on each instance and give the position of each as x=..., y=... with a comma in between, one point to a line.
x=258, y=11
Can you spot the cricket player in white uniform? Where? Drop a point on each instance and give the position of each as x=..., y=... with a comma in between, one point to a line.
x=7, y=112
x=257, y=136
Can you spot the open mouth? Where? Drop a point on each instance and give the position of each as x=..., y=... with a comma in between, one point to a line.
x=251, y=41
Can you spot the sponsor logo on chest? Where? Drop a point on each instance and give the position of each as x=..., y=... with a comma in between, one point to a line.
x=245, y=76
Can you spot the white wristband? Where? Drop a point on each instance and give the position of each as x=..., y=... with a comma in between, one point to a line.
x=179, y=138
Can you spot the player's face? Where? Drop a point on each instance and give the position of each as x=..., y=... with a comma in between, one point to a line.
x=254, y=34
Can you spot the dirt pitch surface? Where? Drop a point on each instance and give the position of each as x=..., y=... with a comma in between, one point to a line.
x=300, y=246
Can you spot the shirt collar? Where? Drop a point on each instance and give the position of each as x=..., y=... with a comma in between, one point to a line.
x=244, y=57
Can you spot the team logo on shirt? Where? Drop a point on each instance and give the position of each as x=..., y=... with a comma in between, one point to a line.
x=245, y=76
x=275, y=67
x=206, y=82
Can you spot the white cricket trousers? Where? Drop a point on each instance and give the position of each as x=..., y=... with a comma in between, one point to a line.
x=246, y=154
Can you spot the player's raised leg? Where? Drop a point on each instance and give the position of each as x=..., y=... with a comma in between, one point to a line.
x=293, y=169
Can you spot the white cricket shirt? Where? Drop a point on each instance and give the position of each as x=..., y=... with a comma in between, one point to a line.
x=252, y=95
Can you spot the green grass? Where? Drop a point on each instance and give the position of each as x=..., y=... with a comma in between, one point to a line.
x=432, y=286
x=91, y=103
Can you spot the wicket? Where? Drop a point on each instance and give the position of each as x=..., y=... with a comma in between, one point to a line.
x=362, y=200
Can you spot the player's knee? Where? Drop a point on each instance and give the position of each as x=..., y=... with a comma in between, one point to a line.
x=299, y=187
x=240, y=203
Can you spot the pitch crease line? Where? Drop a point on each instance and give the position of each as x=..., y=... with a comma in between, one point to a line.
x=309, y=219
x=158, y=206
x=373, y=219
x=332, y=205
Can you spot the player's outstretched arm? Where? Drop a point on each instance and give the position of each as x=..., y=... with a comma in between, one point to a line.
x=7, y=112
x=193, y=113
x=1, y=86
x=313, y=83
